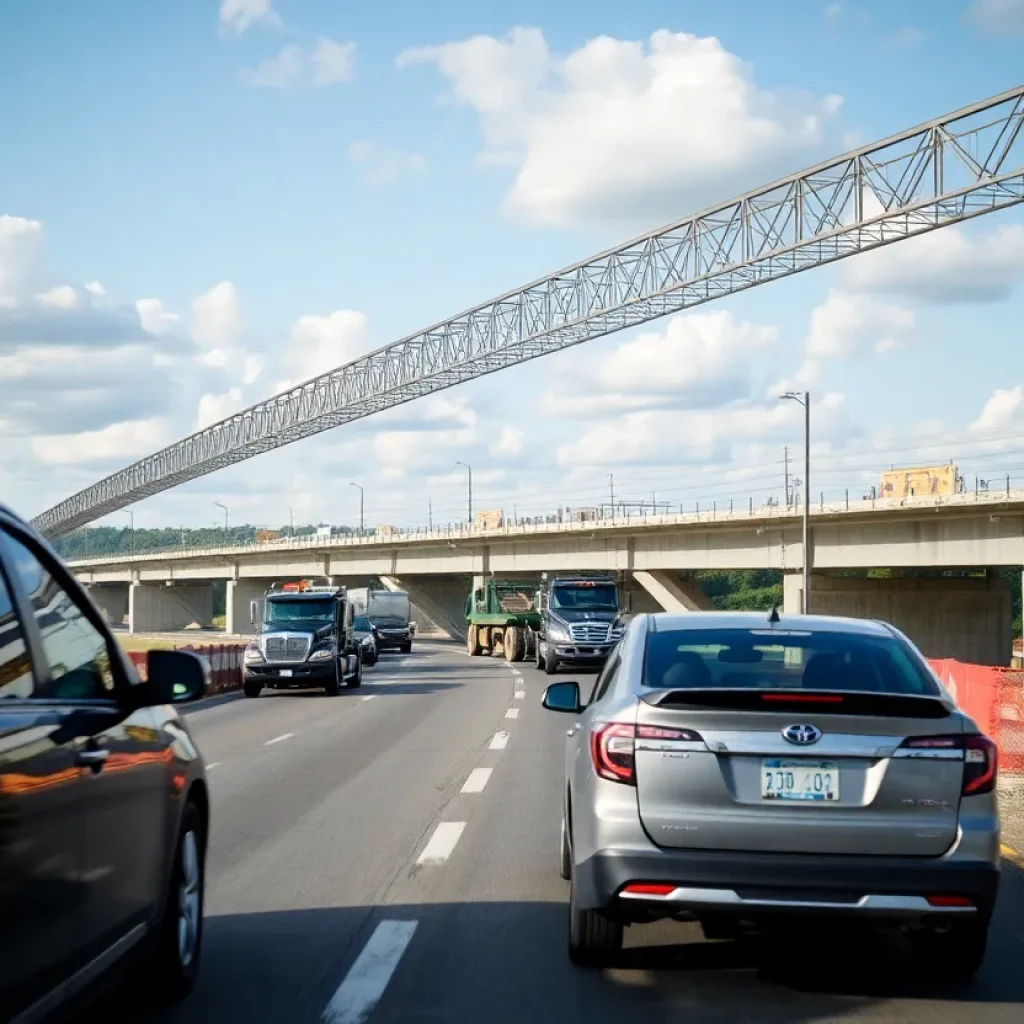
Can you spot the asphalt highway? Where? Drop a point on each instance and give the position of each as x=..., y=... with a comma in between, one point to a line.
x=391, y=854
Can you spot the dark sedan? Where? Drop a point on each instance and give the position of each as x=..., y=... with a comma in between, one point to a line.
x=104, y=808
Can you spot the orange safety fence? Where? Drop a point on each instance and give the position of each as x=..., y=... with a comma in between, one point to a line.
x=994, y=698
x=225, y=664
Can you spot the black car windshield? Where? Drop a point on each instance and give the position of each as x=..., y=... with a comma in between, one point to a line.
x=769, y=659
x=599, y=597
x=361, y=624
x=300, y=613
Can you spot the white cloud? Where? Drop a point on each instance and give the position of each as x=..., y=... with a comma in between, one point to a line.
x=998, y=17
x=153, y=317
x=214, y=408
x=383, y=166
x=700, y=359
x=217, y=317
x=844, y=324
x=403, y=451
x=96, y=289
x=241, y=15
x=116, y=442
x=321, y=343
x=21, y=252
x=510, y=443
x=833, y=10
x=951, y=264
x=61, y=297
x=443, y=408
x=327, y=63
x=1005, y=408
x=619, y=131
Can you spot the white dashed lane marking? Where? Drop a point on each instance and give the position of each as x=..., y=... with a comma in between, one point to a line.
x=441, y=843
x=512, y=713
x=476, y=780
x=368, y=977
x=279, y=739
x=499, y=741
x=210, y=767
x=365, y=699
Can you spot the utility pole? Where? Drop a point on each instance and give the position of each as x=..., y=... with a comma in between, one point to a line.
x=469, y=469
x=361, y=496
x=804, y=399
x=611, y=492
x=430, y=514
x=291, y=520
x=219, y=505
x=785, y=459
x=131, y=515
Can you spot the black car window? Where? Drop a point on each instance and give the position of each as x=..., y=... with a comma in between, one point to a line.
x=15, y=664
x=760, y=659
x=76, y=651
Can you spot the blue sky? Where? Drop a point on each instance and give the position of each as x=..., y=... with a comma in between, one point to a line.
x=245, y=164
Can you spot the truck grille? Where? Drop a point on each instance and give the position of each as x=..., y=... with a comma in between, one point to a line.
x=590, y=633
x=286, y=648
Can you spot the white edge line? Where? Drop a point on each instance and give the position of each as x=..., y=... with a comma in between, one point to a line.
x=512, y=713
x=368, y=977
x=476, y=780
x=213, y=765
x=499, y=741
x=370, y=697
x=440, y=845
x=279, y=739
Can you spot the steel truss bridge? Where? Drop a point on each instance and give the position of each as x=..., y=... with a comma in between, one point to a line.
x=965, y=164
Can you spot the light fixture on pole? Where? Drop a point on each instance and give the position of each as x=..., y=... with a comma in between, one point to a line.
x=469, y=469
x=804, y=399
x=219, y=505
x=361, y=496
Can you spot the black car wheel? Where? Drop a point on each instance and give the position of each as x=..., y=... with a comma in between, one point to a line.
x=175, y=962
x=356, y=680
x=956, y=954
x=594, y=938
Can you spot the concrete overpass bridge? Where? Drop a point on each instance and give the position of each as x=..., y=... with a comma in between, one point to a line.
x=654, y=556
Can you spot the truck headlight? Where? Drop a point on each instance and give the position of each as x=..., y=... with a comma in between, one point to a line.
x=322, y=655
x=559, y=634
x=252, y=654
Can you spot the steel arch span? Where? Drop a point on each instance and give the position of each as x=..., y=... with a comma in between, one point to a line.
x=962, y=165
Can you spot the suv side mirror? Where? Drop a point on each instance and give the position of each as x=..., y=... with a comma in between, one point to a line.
x=253, y=613
x=172, y=677
x=563, y=697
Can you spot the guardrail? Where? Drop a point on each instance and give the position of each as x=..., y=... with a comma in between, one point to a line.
x=225, y=664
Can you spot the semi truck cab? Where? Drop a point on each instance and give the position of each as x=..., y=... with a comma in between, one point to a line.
x=305, y=640
x=580, y=621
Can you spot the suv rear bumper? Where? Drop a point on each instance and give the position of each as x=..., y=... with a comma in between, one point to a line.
x=756, y=885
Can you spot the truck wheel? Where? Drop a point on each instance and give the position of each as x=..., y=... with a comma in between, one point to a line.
x=333, y=687
x=406, y=648
x=550, y=662
x=514, y=644
x=538, y=654
x=252, y=689
x=473, y=641
x=357, y=678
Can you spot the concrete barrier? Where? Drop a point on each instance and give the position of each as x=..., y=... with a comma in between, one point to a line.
x=225, y=662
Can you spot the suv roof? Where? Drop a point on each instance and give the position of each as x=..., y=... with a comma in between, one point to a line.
x=663, y=622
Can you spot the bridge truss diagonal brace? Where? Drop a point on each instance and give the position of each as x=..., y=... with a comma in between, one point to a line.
x=963, y=165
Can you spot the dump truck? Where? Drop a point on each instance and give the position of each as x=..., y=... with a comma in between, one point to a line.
x=503, y=615
x=390, y=612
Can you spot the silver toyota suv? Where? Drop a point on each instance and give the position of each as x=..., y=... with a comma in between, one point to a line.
x=750, y=771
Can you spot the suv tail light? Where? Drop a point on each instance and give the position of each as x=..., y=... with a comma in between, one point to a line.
x=612, y=747
x=981, y=759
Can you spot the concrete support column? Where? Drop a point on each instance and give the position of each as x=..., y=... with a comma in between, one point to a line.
x=158, y=608
x=793, y=593
x=240, y=595
x=112, y=601
x=441, y=599
x=673, y=592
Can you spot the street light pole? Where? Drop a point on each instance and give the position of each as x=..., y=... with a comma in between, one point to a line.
x=131, y=515
x=804, y=399
x=469, y=469
x=219, y=505
x=361, y=496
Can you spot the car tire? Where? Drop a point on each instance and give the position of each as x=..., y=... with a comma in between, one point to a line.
x=406, y=648
x=594, y=938
x=550, y=663
x=174, y=965
x=371, y=660
x=565, y=854
x=334, y=684
x=252, y=689
x=357, y=679
x=538, y=655
x=956, y=954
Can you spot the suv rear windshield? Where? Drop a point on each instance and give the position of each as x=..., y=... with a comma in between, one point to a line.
x=754, y=659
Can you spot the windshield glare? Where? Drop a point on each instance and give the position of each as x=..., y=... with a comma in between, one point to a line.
x=784, y=660
x=305, y=613
x=361, y=624
x=599, y=597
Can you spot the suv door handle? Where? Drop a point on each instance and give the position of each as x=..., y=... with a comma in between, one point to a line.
x=92, y=758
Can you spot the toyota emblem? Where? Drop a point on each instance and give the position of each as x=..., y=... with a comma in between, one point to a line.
x=802, y=735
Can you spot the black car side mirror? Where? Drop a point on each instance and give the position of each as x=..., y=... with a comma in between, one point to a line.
x=172, y=677
x=563, y=697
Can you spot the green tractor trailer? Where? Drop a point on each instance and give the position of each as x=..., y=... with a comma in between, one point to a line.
x=503, y=615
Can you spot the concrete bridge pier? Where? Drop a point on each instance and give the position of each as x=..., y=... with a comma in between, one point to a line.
x=441, y=600
x=238, y=604
x=112, y=601
x=673, y=592
x=163, y=608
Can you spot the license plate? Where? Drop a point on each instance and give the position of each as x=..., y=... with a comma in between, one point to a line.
x=799, y=780
x=286, y=673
